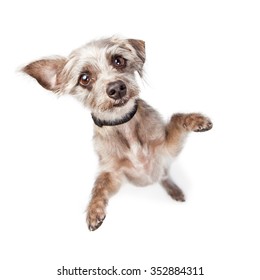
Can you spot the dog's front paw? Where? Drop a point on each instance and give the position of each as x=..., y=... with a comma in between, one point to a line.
x=197, y=122
x=95, y=217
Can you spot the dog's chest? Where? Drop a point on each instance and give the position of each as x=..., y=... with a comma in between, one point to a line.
x=133, y=150
x=142, y=156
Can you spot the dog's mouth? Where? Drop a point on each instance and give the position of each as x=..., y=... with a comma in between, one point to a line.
x=120, y=102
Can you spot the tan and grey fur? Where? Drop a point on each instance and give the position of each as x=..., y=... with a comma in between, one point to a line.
x=137, y=144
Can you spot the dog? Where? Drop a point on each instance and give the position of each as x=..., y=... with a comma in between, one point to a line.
x=131, y=139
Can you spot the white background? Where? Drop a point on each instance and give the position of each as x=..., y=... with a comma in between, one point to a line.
x=202, y=56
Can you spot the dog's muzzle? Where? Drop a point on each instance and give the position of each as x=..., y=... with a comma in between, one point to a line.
x=116, y=90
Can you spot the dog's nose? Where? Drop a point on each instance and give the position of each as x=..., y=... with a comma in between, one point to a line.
x=116, y=90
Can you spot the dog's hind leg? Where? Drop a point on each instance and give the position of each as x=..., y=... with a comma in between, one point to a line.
x=106, y=184
x=172, y=189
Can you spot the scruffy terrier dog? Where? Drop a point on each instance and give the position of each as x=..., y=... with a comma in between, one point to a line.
x=131, y=139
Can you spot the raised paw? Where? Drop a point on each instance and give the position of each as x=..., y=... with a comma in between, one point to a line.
x=95, y=217
x=197, y=122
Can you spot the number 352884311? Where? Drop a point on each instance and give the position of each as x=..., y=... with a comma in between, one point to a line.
x=171, y=270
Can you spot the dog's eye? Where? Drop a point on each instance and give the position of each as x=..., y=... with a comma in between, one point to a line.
x=118, y=61
x=84, y=79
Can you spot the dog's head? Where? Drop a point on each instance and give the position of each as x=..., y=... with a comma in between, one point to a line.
x=101, y=74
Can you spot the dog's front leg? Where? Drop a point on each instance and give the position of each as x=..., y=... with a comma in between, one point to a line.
x=105, y=185
x=179, y=126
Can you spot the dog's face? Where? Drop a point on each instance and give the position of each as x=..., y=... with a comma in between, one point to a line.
x=101, y=74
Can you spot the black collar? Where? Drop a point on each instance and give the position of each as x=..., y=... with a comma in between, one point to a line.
x=124, y=119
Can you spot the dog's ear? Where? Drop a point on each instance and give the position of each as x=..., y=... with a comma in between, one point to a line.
x=47, y=72
x=139, y=47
